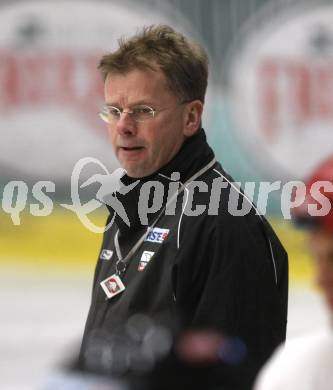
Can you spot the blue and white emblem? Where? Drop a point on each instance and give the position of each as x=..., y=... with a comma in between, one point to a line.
x=157, y=235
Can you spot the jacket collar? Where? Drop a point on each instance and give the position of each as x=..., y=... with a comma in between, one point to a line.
x=194, y=154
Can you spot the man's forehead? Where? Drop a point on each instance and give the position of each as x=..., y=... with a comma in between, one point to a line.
x=145, y=76
x=137, y=86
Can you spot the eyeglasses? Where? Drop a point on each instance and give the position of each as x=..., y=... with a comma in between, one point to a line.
x=141, y=113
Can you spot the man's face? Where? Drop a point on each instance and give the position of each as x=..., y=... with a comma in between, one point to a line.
x=321, y=244
x=144, y=147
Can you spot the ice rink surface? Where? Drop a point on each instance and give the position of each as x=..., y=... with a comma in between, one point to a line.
x=43, y=315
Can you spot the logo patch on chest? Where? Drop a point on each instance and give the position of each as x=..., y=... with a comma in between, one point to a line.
x=157, y=235
x=145, y=259
x=106, y=254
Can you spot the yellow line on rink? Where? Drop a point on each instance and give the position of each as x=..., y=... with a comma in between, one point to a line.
x=56, y=241
x=301, y=265
x=60, y=242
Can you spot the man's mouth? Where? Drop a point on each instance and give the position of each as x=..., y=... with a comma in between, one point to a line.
x=131, y=148
x=131, y=151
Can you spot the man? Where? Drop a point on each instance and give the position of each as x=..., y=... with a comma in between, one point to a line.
x=306, y=362
x=179, y=268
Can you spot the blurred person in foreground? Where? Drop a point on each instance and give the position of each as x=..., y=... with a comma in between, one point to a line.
x=180, y=269
x=306, y=362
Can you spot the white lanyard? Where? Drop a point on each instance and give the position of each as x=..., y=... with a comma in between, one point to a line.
x=122, y=263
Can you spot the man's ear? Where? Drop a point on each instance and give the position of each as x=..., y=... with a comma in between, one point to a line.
x=192, y=118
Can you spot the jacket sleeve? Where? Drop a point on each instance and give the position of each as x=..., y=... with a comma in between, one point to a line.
x=226, y=280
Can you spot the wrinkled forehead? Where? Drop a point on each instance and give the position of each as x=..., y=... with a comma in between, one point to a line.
x=136, y=86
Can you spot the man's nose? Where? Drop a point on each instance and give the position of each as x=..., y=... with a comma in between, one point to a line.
x=126, y=125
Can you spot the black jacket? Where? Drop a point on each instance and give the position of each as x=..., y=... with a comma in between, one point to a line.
x=222, y=272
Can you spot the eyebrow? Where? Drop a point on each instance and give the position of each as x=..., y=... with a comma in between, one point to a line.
x=137, y=103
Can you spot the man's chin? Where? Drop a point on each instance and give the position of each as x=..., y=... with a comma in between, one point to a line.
x=133, y=168
x=136, y=172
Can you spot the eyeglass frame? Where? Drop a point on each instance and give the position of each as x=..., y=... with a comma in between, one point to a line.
x=102, y=114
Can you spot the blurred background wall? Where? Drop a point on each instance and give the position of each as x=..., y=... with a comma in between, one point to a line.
x=268, y=116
